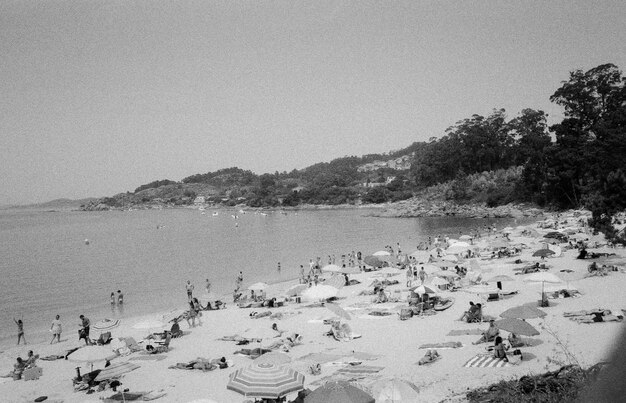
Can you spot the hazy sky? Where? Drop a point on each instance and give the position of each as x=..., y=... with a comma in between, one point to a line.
x=99, y=97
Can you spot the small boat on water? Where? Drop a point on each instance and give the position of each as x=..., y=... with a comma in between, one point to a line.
x=215, y=213
x=444, y=303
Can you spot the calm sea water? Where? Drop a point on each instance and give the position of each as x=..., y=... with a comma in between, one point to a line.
x=47, y=268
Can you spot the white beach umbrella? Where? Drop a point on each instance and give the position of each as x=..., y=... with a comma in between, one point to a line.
x=381, y=253
x=331, y=268
x=456, y=248
x=257, y=287
x=423, y=289
x=92, y=354
x=465, y=237
x=319, y=292
x=450, y=258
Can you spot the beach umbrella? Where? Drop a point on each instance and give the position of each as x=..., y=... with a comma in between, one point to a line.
x=381, y=253
x=273, y=358
x=394, y=390
x=507, y=230
x=497, y=279
x=319, y=292
x=543, y=277
x=337, y=281
x=423, y=289
x=458, y=247
x=516, y=326
x=465, y=238
x=338, y=392
x=172, y=315
x=450, y=258
x=482, y=289
x=150, y=324
x=390, y=271
x=265, y=380
x=523, y=312
x=257, y=287
x=373, y=261
x=545, y=252
x=91, y=354
x=116, y=370
x=337, y=310
x=296, y=290
x=331, y=268
x=442, y=263
x=445, y=274
x=105, y=325
x=499, y=243
x=437, y=281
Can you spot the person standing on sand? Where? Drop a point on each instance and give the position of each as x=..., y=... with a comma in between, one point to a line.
x=207, y=286
x=189, y=288
x=120, y=297
x=239, y=280
x=85, y=323
x=423, y=275
x=20, y=330
x=112, y=298
x=56, y=329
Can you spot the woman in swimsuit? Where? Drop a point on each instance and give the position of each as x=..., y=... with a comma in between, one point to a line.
x=20, y=330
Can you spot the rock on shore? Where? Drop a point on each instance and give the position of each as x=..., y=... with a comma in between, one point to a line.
x=417, y=207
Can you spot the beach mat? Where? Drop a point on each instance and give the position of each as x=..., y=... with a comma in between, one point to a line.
x=360, y=369
x=448, y=344
x=486, y=361
x=463, y=332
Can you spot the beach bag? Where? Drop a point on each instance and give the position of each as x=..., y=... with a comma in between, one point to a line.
x=406, y=313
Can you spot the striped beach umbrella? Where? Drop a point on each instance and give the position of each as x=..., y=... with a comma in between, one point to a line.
x=105, y=325
x=265, y=380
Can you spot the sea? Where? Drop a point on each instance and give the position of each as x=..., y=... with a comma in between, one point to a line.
x=69, y=262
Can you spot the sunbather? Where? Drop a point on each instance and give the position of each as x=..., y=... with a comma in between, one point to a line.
x=515, y=341
x=469, y=313
x=31, y=360
x=490, y=334
x=499, y=349
x=430, y=356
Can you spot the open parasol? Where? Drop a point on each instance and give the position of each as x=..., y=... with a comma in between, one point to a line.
x=516, y=326
x=523, y=312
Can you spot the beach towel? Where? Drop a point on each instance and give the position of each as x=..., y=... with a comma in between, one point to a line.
x=447, y=344
x=360, y=369
x=150, y=357
x=464, y=332
x=486, y=361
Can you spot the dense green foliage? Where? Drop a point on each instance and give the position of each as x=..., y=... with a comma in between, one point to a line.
x=578, y=162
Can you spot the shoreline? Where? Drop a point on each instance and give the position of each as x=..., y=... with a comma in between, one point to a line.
x=398, y=353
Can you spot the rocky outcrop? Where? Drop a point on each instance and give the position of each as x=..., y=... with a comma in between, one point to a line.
x=416, y=207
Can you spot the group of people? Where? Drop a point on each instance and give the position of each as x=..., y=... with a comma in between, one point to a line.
x=119, y=298
x=21, y=365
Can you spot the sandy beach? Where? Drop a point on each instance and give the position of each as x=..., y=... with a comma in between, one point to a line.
x=388, y=347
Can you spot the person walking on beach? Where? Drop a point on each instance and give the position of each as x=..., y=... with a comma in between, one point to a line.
x=56, y=329
x=189, y=287
x=83, y=332
x=20, y=330
x=207, y=286
x=120, y=297
x=423, y=275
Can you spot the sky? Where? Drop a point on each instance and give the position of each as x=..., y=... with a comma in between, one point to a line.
x=99, y=97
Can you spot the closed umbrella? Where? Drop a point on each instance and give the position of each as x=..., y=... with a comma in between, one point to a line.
x=394, y=390
x=523, y=312
x=265, y=380
x=337, y=310
x=516, y=326
x=319, y=292
x=105, y=325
